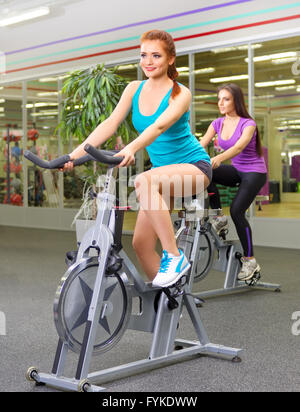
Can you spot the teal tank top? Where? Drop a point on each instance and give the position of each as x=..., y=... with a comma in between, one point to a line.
x=177, y=144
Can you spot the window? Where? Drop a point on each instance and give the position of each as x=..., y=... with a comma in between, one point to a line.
x=11, y=145
x=277, y=112
x=213, y=69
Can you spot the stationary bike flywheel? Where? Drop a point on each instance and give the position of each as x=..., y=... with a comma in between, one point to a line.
x=72, y=303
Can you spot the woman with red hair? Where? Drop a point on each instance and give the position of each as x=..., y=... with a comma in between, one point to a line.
x=160, y=114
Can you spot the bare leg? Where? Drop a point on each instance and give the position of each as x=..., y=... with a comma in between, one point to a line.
x=144, y=243
x=154, y=202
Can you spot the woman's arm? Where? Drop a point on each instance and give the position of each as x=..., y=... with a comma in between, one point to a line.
x=107, y=128
x=240, y=145
x=177, y=107
x=207, y=138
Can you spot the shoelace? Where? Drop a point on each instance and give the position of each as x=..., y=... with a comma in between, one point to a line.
x=165, y=262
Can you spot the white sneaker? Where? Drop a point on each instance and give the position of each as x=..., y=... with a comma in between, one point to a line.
x=172, y=268
x=249, y=268
x=220, y=223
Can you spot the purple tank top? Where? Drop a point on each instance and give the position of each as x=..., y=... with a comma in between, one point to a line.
x=248, y=160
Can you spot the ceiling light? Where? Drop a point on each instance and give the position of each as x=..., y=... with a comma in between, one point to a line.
x=273, y=56
x=290, y=122
x=205, y=70
x=127, y=67
x=275, y=83
x=253, y=46
x=2, y=100
x=45, y=94
x=233, y=48
x=40, y=104
x=45, y=104
x=205, y=96
x=229, y=78
x=184, y=71
x=53, y=79
x=28, y=15
x=280, y=89
x=285, y=60
x=266, y=96
x=45, y=113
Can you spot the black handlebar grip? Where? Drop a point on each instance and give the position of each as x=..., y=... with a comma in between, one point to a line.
x=103, y=156
x=52, y=164
x=82, y=160
x=55, y=163
x=59, y=162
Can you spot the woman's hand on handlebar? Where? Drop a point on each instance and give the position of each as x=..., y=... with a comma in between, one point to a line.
x=215, y=161
x=68, y=167
x=128, y=156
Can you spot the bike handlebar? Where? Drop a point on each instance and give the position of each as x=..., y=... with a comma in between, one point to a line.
x=55, y=163
x=103, y=156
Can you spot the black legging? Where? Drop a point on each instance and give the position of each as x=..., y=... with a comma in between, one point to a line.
x=249, y=185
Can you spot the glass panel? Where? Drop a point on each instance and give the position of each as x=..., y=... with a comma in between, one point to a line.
x=11, y=148
x=182, y=64
x=42, y=120
x=213, y=69
x=129, y=73
x=125, y=183
x=277, y=109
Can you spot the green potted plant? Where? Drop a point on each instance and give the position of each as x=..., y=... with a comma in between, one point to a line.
x=89, y=97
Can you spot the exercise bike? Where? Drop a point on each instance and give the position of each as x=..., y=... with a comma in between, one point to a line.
x=214, y=252
x=93, y=302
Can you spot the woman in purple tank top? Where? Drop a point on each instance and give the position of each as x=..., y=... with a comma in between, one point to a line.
x=239, y=138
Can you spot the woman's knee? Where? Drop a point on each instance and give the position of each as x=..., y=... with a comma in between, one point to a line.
x=134, y=245
x=142, y=184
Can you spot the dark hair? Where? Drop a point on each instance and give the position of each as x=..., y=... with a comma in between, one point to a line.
x=169, y=47
x=241, y=110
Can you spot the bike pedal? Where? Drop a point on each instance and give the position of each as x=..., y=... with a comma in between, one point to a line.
x=172, y=302
x=178, y=286
x=181, y=282
x=114, y=264
x=199, y=302
x=223, y=233
x=253, y=281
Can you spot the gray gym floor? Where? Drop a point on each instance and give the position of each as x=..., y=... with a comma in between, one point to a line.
x=32, y=263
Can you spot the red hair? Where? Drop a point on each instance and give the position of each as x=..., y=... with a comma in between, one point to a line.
x=169, y=47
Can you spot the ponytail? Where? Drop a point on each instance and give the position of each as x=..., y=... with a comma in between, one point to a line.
x=173, y=73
